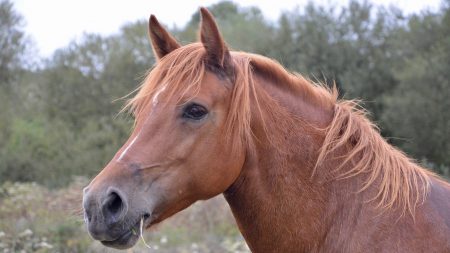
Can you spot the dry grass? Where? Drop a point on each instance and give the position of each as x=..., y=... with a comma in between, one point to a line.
x=36, y=219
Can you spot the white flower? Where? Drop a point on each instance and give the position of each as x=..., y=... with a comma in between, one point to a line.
x=45, y=245
x=163, y=240
x=27, y=232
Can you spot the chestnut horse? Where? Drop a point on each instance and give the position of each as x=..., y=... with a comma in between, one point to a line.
x=301, y=170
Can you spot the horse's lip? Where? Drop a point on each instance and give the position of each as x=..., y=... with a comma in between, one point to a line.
x=129, y=237
x=125, y=235
x=126, y=240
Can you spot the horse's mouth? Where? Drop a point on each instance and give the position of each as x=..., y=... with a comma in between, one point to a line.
x=129, y=238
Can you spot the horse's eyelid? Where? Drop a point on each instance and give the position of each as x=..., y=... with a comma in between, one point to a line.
x=186, y=115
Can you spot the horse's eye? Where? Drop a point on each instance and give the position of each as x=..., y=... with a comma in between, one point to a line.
x=195, y=112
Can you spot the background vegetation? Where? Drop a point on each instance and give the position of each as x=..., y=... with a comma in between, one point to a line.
x=58, y=119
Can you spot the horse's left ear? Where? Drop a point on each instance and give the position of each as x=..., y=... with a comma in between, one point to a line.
x=162, y=42
x=216, y=49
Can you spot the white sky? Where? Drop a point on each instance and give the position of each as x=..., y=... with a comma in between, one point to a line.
x=54, y=23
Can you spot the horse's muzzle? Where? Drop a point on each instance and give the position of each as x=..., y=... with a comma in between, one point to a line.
x=106, y=218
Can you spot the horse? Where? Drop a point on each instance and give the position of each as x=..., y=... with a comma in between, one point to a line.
x=301, y=169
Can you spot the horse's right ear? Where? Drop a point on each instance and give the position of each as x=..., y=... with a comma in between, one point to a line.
x=162, y=42
x=216, y=51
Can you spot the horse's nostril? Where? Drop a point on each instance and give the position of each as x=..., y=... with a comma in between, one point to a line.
x=114, y=203
x=113, y=207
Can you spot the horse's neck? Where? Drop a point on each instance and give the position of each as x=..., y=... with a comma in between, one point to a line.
x=274, y=204
x=274, y=200
x=280, y=208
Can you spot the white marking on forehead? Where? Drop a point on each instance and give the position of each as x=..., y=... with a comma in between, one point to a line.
x=127, y=148
x=155, y=97
x=154, y=102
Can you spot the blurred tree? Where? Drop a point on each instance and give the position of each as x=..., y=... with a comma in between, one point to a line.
x=12, y=42
x=12, y=49
x=82, y=80
x=418, y=109
x=72, y=109
x=283, y=46
x=314, y=31
x=349, y=46
x=130, y=57
x=368, y=73
x=243, y=28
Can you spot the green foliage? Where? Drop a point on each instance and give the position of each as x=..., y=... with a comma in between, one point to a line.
x=50, y=152
x=12, y=41
x=12, y=52
x=243, y=28
x=347, y=45
x=27, y=142
x=417, y=110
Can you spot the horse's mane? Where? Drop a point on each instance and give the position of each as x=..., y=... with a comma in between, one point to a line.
x=401, y=182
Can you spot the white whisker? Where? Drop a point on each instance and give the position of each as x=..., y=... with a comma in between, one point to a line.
x=142, y=237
